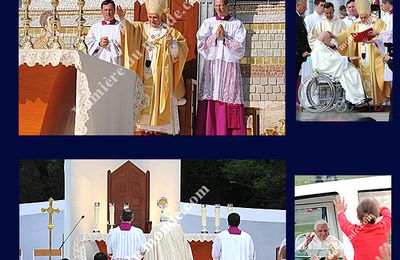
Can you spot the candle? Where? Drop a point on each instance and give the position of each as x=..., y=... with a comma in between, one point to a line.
x=112, y=210
x=96, y=216
x=203, y=215
x=217, y=208
x=230, y=209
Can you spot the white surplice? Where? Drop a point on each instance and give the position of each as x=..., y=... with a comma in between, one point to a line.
x=221, y=78
x=111, y=53
x=310, y=21
x=329, y=61
x=334, y=26
x=228, y=246
x=125, y=245
x=388, y=19
x=350, y=20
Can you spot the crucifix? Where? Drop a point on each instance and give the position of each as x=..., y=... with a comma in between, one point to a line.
x=50, y=210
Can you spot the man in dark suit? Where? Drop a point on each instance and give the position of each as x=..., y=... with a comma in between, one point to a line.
x=302, y=48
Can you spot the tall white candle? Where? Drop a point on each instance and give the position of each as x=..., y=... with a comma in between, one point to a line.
x=230, y=209
x=203, y=215
x=96, y=216
x=112, y=211
x=217, y=209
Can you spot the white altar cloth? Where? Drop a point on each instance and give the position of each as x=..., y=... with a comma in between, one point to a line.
x=108, y=97
x=85, y=246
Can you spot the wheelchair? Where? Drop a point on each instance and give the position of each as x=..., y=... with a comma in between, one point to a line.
x=321, y=92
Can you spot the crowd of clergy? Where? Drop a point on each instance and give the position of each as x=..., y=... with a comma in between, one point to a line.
x=355, y=49
x=157, y=52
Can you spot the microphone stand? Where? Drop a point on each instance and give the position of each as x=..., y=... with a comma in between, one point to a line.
x=62, y=245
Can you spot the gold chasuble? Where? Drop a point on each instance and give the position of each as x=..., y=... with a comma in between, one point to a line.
x=371, y=65
x=165, y=83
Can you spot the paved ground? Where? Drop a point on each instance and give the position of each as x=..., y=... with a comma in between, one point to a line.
x=336, y=116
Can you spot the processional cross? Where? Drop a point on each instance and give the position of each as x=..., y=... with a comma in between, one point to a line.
x=50, y=210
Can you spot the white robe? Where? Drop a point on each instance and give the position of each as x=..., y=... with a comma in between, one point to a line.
x=125, y=245
x=329, y=61
x=388, y=19
x=221, y=78
x=310, y=21
x=169, y=243
x=317, y=243
x=334, y=26
x=233, y=247
x=350, y=20
x=112, y=53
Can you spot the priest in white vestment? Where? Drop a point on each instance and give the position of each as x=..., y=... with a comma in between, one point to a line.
x=169, y=241
x=320, y=239
x=221, y=42
x=326, y=59
x=328, y=23
x=233, y=244
x=352, y=17
x=310, y=21
x=103, y=39
x=316, y=16
x=126, y=242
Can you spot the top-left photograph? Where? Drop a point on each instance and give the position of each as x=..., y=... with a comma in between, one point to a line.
x=151, y=67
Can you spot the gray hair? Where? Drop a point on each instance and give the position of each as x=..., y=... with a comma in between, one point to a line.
x=298, y=1
x=320, y=222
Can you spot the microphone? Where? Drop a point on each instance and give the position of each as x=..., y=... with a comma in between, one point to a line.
x=77, y=223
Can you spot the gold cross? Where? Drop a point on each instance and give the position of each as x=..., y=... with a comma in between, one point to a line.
x=50, y=210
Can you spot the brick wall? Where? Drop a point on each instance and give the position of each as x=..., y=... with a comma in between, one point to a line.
x=263, y=67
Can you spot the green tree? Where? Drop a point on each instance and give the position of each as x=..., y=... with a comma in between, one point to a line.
x=41, y=179
x=245, y=183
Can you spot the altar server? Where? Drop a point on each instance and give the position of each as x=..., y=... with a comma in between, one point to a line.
x=233, y=243
x=126, y=242
x=103, y=39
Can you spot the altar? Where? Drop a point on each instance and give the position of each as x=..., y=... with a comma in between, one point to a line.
x=85, y=246
x=67, y=92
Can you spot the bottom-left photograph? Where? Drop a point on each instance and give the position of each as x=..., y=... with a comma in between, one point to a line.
x=152, y=209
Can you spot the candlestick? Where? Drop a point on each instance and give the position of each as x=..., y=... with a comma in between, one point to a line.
x=112, y=212
x=54, y=41
x=204, y=218
x=26, y=40
x=96, y=228
x=79, y=43
x=229, y=208
x=217, y=211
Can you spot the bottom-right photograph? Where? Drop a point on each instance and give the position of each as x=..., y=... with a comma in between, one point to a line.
x=343, y=217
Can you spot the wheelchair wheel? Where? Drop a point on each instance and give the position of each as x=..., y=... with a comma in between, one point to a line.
x=319, y=92
x=341, y=106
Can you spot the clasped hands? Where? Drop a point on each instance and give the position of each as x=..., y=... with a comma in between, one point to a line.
x=220, y=33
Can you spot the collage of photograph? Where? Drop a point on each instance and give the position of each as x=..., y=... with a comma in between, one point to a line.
x=156, y=130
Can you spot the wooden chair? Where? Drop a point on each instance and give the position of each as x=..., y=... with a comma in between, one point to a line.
x=254, y=112
x=46, y=252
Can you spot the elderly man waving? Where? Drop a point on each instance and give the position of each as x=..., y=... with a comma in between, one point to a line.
x=320, y=239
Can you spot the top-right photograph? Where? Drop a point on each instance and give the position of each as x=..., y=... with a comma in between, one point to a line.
x=344, y=56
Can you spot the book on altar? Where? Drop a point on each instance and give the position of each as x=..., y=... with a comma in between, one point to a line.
x=360, y=36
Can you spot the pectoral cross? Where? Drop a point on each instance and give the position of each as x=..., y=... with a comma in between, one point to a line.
x=50, y=210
